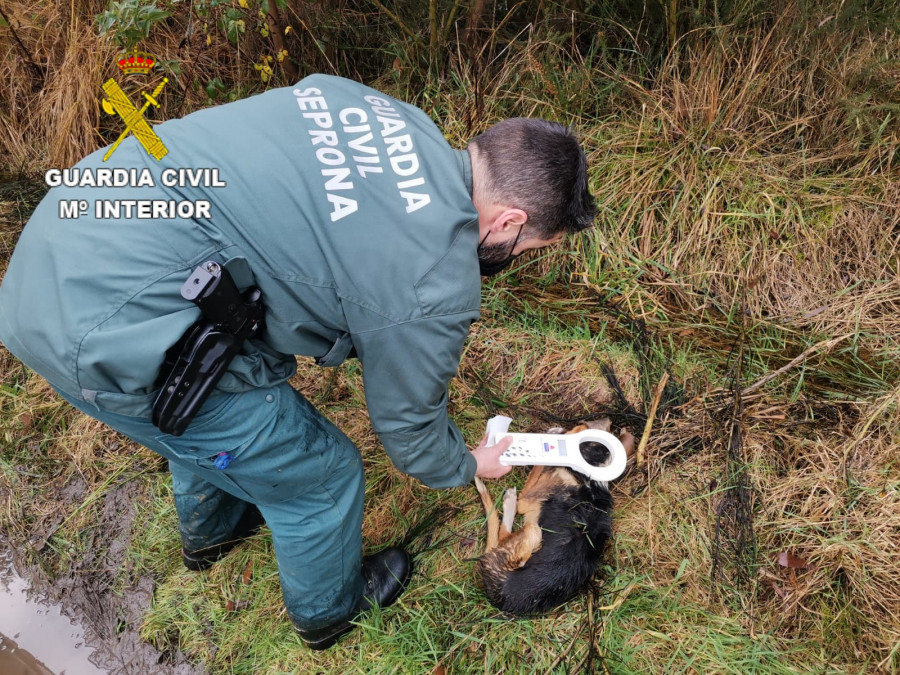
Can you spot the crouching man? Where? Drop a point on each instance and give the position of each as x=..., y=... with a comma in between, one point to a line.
x=351, y=226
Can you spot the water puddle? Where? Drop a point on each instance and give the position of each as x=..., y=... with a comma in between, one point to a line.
x=35, y=637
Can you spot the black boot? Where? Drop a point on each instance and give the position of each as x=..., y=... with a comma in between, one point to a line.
x=386, y=574
x=248, y=525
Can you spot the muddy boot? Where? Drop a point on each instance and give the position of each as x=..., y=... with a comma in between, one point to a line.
x=386, y=574
x=247, y=526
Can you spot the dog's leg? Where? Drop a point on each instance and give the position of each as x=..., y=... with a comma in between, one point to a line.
x=509, y=514
x=493, y=520
x=532, y=479
x=521, y=545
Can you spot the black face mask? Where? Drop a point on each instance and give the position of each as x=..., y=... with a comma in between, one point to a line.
x=495, y=258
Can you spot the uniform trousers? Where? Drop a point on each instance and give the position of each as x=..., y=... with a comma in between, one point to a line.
x=302, y=472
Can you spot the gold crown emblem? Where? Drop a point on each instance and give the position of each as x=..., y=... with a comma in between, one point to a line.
x=136, y=62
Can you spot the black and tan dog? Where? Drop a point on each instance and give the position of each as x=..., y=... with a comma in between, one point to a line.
x=567, y=524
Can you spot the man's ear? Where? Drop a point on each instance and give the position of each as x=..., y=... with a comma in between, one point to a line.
x=509, y=218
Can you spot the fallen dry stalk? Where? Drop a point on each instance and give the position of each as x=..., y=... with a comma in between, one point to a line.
x=618, y=602
x=825, y=345
x=640, y=459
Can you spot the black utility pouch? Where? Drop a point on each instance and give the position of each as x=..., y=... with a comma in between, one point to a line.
x=194, y=365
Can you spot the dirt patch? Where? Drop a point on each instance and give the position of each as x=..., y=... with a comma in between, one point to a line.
x=87, y=592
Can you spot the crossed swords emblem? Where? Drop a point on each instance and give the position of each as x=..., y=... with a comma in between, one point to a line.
x=119, y=104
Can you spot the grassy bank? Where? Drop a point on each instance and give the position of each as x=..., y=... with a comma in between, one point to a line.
x=746, y=252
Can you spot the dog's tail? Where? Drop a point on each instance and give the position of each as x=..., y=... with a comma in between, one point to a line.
x=493, y=530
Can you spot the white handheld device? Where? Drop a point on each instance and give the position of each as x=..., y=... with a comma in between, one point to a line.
x=558, y=450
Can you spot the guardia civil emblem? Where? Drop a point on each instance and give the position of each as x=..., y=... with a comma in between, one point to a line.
x=118, y=103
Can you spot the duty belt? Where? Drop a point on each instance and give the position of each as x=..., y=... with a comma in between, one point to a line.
x=194, y=365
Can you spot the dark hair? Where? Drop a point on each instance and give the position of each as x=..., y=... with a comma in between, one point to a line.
x=539, y=167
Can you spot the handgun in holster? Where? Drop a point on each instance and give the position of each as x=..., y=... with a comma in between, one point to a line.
x=195, y=364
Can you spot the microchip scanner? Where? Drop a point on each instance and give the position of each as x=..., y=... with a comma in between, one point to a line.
x=558, y=450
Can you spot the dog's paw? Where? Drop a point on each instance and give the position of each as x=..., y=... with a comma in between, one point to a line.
x=510, y=500
x=510, y=504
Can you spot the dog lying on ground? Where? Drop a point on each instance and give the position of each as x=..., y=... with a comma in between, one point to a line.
x=567, y=524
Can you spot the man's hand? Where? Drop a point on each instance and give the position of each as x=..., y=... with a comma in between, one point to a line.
x=488, y=458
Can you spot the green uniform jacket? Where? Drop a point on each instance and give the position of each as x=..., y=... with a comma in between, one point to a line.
x=348, y=209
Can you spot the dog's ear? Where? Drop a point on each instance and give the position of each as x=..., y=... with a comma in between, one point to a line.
x=601, y=425
x=628, y=440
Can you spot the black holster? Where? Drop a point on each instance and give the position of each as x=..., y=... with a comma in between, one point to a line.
x=195, y=364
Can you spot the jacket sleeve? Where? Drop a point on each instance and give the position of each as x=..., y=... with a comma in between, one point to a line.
x=406, y=371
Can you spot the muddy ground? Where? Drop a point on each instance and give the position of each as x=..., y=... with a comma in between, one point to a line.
x=88, y=590
x=87, y=593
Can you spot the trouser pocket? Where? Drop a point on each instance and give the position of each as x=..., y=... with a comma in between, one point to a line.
x=269, y=444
